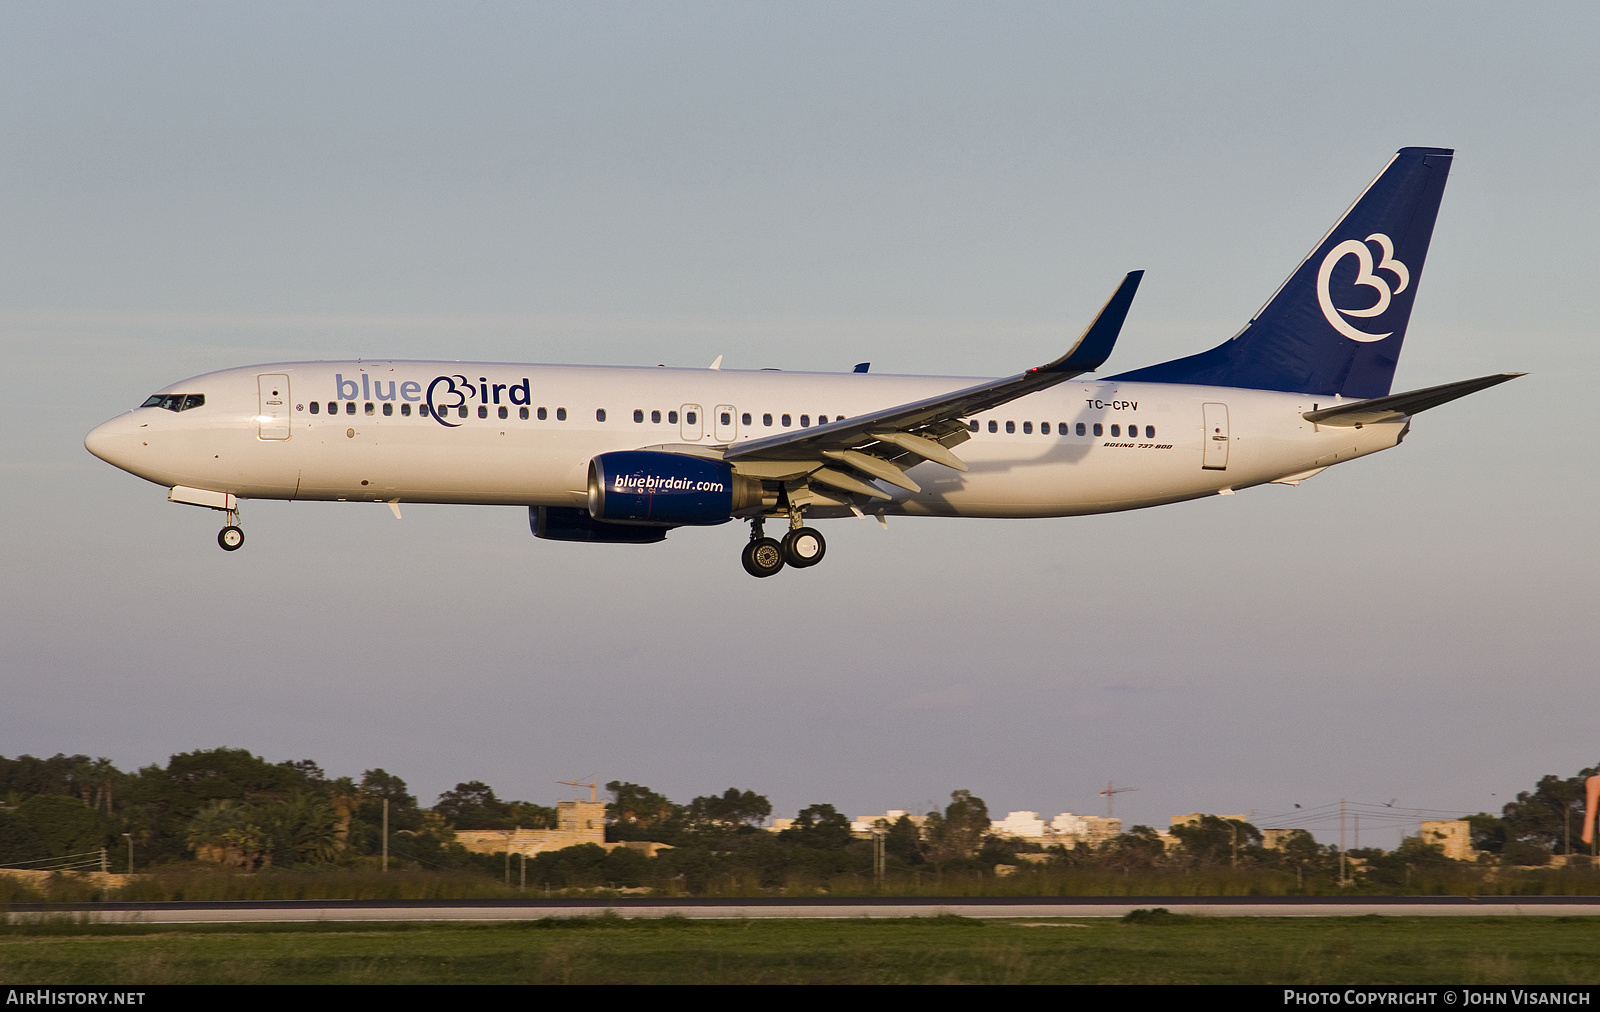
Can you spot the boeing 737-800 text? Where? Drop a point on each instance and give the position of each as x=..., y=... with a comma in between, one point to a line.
x=623, y=455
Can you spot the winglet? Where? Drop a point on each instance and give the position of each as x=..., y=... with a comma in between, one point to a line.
x=1094, y=347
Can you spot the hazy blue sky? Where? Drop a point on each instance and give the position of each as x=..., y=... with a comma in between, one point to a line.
x=935, y=188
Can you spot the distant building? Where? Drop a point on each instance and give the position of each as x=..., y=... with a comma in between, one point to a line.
x=1454, y=835
x=1274, y=839
x=1065, y=830
x=1193, y=818
x=861, y=826
x=577, y=823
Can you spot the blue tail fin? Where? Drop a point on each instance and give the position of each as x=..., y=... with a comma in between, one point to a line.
x=1335, y=327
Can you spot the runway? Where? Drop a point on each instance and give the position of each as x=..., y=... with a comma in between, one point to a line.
x=291, y=911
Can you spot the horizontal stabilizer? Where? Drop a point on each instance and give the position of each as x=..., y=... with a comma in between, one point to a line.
x=1397, y=406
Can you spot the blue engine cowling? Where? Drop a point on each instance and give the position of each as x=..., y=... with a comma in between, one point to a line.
x=669, y=489
x=562, y=523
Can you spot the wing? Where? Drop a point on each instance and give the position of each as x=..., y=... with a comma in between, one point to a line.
x=845, y=455
x=1397, y=406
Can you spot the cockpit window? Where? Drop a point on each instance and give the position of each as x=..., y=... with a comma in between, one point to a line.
x=175, y=402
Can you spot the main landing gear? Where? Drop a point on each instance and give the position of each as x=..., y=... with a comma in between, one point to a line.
x=231, y=537
x=802, y=548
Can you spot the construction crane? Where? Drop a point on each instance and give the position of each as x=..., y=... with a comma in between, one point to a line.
x=1110, y=794
x=593, y=783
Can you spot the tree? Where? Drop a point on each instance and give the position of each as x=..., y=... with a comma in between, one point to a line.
x=65, y=824
x=637, y=805
x=820, y=827
x=730, y=810
x=20, y=843
x=1550, y=816
x=904, y=841
x=1139, y=848
x=226, y=832
x=959, y=832
x=472, y=805
x=1215, y=841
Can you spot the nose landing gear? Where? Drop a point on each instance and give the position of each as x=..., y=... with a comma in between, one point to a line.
x=231, y=537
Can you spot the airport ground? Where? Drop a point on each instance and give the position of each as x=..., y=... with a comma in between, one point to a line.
x=1143, y=948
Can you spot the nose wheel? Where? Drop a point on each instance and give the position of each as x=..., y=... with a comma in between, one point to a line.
x=231, y=537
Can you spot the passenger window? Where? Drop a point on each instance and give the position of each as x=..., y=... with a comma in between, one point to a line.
x=543, y=414
x=349, y=407
x=1116, y=432
x=638, y=415
x=1098, y=430
x=973, y=425
x=388, y=408
x=1027, y=428
x=315, y=407
x=503, y=412
x=1011, y=426
x=766, y=419
x=561, y=414
x=744, y=419
x=461, y=412
x=691, y=417
x=672, y=418
x=333, y=407
x=599, y=414
x=405, y=409
x=822, y=419
x=994, y=426
x=371, y=408
x=655, y=416
x=1080, y=428
x=1149, y=432
x=422, y=409
x=522, y=413
x=727, y=419
x=805, y=421
x=785, y=421
x=483, y=411
x=195, y=401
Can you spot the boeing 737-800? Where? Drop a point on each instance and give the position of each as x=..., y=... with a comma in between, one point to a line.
x=624, y=455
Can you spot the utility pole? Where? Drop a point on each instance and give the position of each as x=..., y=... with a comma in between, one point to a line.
x=130, y=852
x=385, y=834
x=1343, y=881
x=878, y=835
x=524, y=872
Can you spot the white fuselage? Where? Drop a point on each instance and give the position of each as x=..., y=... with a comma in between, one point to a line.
x=1156, y=443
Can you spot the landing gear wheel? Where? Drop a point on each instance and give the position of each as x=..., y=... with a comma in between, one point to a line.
x=762, y=557
x=803, y=547
x=230, y=538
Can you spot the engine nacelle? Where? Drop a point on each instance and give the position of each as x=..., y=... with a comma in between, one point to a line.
x=667, y=489
x=561, y=523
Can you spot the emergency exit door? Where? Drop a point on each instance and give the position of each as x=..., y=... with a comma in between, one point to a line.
x=1216, y=452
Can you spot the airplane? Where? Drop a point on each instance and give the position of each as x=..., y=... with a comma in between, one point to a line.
x=623, y=455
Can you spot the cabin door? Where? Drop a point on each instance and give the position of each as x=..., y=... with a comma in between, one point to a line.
x=1216, y=452
x=274, y=415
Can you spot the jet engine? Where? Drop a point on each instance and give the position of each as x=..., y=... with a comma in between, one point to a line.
x=656, y=488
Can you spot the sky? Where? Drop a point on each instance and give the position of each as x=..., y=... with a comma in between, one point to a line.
x=936, y=188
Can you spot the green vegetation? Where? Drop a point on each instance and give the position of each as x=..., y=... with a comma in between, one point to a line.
x=1149, y=949
x=226, y=824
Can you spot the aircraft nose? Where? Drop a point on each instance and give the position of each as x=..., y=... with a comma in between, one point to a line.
x=112, y=440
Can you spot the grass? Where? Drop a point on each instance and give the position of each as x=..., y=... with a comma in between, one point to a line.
x=1148, y=948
